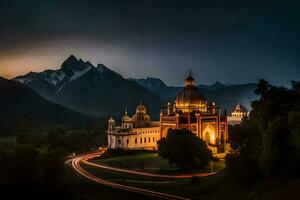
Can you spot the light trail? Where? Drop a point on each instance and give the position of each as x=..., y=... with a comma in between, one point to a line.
x=75, y=162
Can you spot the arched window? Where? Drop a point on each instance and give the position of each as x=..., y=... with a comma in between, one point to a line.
x=135, y=141
x=153, y=139
x=149, y=140
x=145, y=140
x=207, y=139
x=127, y=141
x=141, y=140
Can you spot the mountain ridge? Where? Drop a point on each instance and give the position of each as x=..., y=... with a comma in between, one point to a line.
x=225, y=95
x=98, y=90
x=93, y=90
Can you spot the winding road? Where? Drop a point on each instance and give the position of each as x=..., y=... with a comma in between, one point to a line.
x=75, y=163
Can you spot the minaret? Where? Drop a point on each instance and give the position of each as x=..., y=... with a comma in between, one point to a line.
x=174, y=107
x=111, y=125
x=160, y=122
x=169, y=108
x=214, y=108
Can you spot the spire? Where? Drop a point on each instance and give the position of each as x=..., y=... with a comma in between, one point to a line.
x=126, y=111
x=141, y=101
x=190, y=81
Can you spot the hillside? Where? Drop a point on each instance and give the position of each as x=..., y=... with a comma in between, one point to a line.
x=23, y=109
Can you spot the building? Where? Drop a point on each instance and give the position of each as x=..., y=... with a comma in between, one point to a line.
x=190, y=110
x=237, y=115
x=136, y=132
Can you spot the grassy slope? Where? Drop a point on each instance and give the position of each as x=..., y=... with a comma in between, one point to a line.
x=207, y=188
x=83, y=189
x=151, y=162
x=213, y=187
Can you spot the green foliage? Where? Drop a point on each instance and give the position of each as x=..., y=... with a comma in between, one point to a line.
x=24, y=164
x=184, y=149
x=275, y=147
x=266, y=145
x=262, y=87
x=33, y=171
x=70, y=140
x=52, y=163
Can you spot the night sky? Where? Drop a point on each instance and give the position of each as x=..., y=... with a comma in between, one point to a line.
x=226, y=41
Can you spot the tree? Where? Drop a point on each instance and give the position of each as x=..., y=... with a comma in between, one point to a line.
x=296, y=85
x=262, y=87
x=275, y=147
x=52, y=164
x=25, y=164
x=267, y=144
x=184, y=149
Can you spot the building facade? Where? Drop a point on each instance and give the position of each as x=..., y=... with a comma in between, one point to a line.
x=190, y=110
x=136, y=132
x=237, y=115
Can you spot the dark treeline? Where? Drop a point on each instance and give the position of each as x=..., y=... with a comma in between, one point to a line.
x=266, y=146
x=34, y=163
x=30, y=172
x=77, y=141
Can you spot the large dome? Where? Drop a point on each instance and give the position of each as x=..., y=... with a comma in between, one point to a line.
x=190, y=98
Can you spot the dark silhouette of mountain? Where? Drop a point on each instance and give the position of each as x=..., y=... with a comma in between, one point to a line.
x=150, y=83
x=226, y=96
x=23, y=109
x=92, y=90
x=217, y=85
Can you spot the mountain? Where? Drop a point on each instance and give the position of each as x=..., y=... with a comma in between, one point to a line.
x=226, y=96
x=23, y=109
x=152, y=84
x=215, y=86
x=93, y=90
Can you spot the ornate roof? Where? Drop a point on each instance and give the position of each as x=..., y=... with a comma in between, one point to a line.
x=141, y=109
x=111, y=120
x=126, y=118
x=240, y=108
x=190, y=95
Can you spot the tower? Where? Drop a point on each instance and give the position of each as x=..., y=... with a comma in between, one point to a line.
x=111, y=125
x=169, y=108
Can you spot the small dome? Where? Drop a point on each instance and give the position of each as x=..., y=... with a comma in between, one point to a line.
x=141, y=109
x=147, y=117
x=126, y=118
x=111, y=120
x=190, y=81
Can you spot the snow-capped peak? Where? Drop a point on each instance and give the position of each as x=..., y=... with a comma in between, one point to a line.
x=78, y=74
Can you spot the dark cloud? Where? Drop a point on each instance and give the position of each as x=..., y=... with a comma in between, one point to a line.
x=229, y=41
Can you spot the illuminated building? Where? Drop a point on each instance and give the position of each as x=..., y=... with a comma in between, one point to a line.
x=190, y=111
x=136, y=132
x=237, y=115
